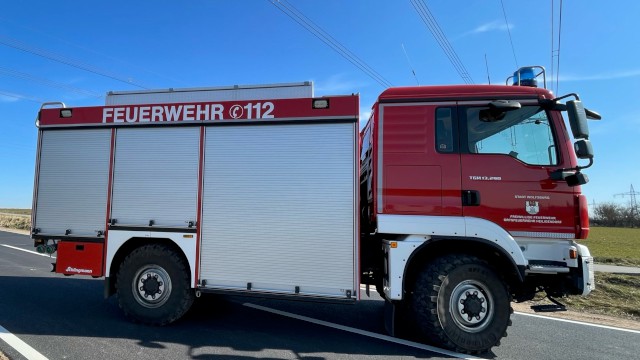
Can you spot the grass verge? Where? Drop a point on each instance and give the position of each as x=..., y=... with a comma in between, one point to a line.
x=16, y=211
x=615, y=294
x=615, y=246
x=15, y=222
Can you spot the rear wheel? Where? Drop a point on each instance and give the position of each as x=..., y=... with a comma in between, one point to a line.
x=153, y=285
x=461, y=303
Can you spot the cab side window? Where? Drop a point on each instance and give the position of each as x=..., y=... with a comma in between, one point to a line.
x=366, y=142
x=525, y=134
x=444, y=130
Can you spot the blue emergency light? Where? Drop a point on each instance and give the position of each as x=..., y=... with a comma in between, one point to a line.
x=525, y=76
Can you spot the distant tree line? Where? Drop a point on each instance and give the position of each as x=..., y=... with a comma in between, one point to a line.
x=612, y=214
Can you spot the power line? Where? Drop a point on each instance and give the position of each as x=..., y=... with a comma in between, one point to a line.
x=559, y=42
x=427, y=17
x=21, y=97
x=632, y=201
x=552, y=39
x=13, y=43
x=441, y=38
x=47, y=82
x=302, y=20
x=87, y=49
x=513, y=49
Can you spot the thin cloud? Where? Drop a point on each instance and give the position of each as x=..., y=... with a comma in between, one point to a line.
x=602, y=76
x=8, y=98
x=492, y=26
x=496, y=25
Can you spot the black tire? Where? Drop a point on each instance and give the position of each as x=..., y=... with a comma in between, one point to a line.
x=462, y=304
x=153, y=286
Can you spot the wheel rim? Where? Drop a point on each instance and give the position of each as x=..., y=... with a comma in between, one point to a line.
x=471, y=306
x=151, y=286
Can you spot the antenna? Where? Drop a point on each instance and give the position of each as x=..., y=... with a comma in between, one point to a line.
x=486, y=63
x=409, y=62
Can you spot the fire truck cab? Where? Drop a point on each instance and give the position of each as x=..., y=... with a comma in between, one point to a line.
x=474, y=193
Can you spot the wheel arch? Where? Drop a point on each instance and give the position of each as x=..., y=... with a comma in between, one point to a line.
x=129, y=245
x=438, y=246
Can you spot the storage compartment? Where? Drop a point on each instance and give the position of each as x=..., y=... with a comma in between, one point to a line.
x=72, y=182
x=80, y=258
x=278, y=209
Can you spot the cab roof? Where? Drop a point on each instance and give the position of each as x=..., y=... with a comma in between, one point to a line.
x=461, y=92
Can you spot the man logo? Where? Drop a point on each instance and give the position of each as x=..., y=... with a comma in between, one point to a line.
x=532, y=207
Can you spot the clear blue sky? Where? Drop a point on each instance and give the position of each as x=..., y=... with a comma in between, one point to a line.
x=198, y=43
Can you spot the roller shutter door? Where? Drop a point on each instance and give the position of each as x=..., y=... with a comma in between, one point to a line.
x=156, y=176
x=72, y=182
x=278, y=208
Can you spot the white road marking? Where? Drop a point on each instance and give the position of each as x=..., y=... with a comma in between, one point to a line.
x=579, y=322
x=29, y=251
x=363, y=287
x=22, y=347
x=363, y=332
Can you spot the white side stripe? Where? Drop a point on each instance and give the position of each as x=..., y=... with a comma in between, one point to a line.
x=29, y=251
x=579, y=323
x=363, y=332
x=22, y=347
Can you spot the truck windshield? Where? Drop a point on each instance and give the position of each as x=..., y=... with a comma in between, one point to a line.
x=525, y=134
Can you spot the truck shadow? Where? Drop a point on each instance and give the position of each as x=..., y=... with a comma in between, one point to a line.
x=74, y=307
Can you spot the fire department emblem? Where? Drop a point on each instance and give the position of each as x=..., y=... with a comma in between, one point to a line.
x=532, y=207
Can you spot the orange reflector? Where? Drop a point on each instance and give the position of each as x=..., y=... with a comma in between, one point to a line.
x=393, y=244
x=573, y=253
x=187, y=236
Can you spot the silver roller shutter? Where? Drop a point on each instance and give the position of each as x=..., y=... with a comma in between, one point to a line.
x=72, y=182
x=278, y=208
x=156, y=176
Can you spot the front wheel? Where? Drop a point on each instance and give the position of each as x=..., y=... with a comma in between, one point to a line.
x=153, y=285
x=461, y=303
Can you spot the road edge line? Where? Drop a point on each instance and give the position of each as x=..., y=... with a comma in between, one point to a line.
x=578, y=322
x=29, y=251
x=20, y=346
x=363, y=332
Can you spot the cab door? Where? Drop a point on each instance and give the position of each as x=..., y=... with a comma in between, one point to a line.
x=420, y=159
x=506, y=163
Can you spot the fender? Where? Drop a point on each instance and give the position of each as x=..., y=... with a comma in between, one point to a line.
x=423, y=228
x=185, y=241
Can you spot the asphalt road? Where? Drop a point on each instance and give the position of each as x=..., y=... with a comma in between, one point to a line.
x=68, y=318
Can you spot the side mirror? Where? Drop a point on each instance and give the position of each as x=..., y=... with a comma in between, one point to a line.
x=583, y=149
x=577, y=119
x=592, y=115
x=577, y=179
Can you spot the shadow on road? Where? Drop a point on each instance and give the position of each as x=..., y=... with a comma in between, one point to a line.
x=74, y=307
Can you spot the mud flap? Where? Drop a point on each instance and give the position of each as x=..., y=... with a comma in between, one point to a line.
x=396, y=319
x=390, y=310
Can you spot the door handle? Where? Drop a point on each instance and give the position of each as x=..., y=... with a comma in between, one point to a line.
x=470, y=198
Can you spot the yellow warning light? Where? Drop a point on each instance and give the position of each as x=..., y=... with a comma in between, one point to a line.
x=187, y=236
x=573, y=253
x=393, y=244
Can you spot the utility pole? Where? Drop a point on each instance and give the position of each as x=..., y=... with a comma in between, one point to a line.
x=633, y=204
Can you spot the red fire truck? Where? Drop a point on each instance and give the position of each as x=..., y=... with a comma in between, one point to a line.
x=453, y=200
